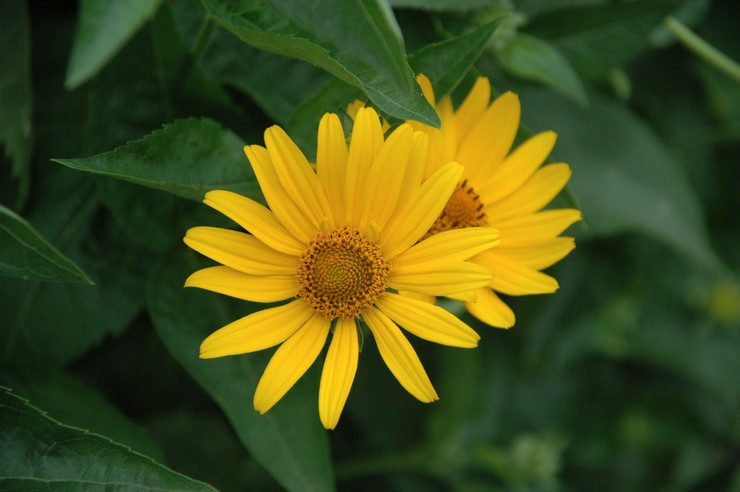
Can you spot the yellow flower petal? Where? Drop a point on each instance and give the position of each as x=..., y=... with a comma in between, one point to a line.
x=474, y=105
x=539, y=254
x=339, y=372
x=257, y=331
x=455, y=245
x=256, y=219
x=514, y=279
x=367, y=138
x=426, y=88
x=490, y=138
x=240, y=251
x=417, y=215
x=491, y=310
x=297, y=176
x=522, y=230
x=440, y=279
x=518, y=167
x=255, y=288
x=427, y=321
x=533, y=195
x=294, y=219
x=399, y=356
x=331, y=160
x=290, y=362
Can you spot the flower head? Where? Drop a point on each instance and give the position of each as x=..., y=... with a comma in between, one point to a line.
x=503, y=189
x=337, y=244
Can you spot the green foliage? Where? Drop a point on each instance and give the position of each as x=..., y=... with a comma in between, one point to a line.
x=625, y=379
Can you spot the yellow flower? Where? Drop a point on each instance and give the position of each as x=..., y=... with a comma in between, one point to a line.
x=338, y=243
x=501, y=189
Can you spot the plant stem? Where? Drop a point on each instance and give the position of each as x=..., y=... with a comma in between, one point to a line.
x=204, y=35
x=413, y=461
x=701, y=48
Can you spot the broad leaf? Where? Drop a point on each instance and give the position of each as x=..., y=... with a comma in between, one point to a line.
x=598, y=38
x=354, y=40
x=15, y=89
x=447, y=62
x=450, y=5
x=288, y=440
x=186, y=158
x=25, y=254
x=625, y=178
x=39, y=453
x=103, y=28
x=53, y=391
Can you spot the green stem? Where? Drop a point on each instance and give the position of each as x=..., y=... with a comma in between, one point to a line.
x=413, y=461
x=204, y=35
x=704, y=50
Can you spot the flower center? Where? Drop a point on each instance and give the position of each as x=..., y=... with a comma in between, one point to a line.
x=342, y=273
x=463, y=209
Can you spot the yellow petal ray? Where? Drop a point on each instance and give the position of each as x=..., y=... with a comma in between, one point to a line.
x=521, y=230
x=293, y=218
x=297, y=176
x=257, y=331
x=467, y=296
x=417, y=215
x=454, y=245
x=491, y=310
x=426, y=88
x=450, y=133
x=290, y=361
x=517, y=168
x=339, y=371
x=383, y=183
x=474, y=105
x=535, y=194
x=240, y=251
x=255, y=288
x=440, y=279
x=427, y=321
x=486, y=144
x=540, y=254
x=414, y=171
x=515, y=279
x=367, y=138
x=256, y=219
x=399, y=356
x=331, y=161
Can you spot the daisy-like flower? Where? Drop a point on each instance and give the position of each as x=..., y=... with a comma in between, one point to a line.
x=337, y=244
x=503, y=189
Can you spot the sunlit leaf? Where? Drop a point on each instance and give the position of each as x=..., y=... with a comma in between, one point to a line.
x=103, y=28
x=288, y=440
x=25, y=254
x=39, y=453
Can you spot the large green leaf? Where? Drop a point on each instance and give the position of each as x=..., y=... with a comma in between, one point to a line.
x=450, y=5
x=356, y=41
x=15, y=88
x=598, y=38
x=447, y=62
x=103, y=28
x=288, y=440
x=624, y=177
x=53, y=391
x=25, y=254
x=39, y=453
x=186, y=158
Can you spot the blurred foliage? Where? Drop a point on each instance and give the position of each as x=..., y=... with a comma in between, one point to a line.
x=116, y=116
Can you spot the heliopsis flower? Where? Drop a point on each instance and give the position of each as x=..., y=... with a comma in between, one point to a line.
x=503, y=189
x=337, y=244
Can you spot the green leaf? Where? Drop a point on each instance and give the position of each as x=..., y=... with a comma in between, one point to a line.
x=288, y=440
x=353, y=40
x=54, y=391
x=103, y=28
x=447, y=62
x=186, y=158
x=15, y=89
x=598, y=38
x=39, y=453
x=25, y=254
x=449, y=5
x=533, y=59
x=624, y=177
